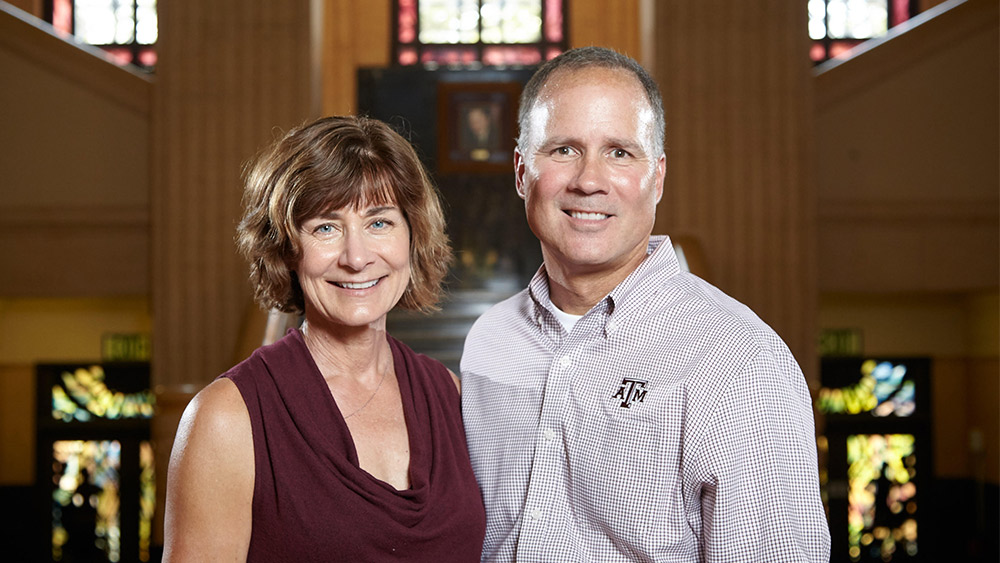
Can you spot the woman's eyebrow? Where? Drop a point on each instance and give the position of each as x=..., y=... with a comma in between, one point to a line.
x=378, y=210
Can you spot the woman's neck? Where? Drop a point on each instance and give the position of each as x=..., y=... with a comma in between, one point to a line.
x=358, y=352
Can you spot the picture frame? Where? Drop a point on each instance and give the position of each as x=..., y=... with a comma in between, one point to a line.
x=477, y=126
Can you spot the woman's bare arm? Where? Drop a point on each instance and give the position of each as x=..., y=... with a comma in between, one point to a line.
x=210, y=479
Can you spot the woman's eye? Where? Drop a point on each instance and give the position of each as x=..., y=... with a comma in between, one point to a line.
x=324, y=229
x=380, y=224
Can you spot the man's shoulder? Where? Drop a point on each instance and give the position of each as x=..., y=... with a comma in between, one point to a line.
x=705, y=309
x=510, y=310
x=500, y=326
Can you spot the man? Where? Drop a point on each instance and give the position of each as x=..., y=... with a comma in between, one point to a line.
x=619, y=409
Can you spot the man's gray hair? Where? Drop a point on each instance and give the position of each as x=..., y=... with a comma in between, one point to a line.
x=583, y=58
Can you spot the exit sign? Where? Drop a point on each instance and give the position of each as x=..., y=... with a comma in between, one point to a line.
x=840, y=342
x=135, y=347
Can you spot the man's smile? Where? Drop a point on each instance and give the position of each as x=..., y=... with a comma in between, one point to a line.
x=588, y=215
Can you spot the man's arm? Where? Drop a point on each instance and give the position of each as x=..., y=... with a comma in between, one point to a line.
x=761, y=501
x=210, y=480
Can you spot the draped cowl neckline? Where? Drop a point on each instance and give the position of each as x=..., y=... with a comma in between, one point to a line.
x=323, y=428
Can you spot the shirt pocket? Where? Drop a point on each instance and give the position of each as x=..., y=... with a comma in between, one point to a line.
x=622, y=475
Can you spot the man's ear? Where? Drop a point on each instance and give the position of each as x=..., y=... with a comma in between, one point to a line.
x=661, y=174
x=519, y=172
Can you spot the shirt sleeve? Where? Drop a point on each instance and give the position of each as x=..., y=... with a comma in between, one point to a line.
x=755, y=477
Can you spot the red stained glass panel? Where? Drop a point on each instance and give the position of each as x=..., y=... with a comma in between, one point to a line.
x=511, y=56
x=407, y=21
x=553, y=21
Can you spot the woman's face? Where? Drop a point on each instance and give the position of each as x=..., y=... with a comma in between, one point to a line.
x=355, y=265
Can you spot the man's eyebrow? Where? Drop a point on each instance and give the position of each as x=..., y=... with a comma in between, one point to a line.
x=629, y=144
x=557, y=142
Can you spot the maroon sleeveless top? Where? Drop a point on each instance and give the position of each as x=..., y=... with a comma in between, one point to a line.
x=312, y=501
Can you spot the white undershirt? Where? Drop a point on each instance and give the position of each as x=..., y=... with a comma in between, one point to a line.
x=565, y=318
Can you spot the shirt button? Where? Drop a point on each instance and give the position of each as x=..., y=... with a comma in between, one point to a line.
x=536, y=514
x=610, y=326
x=549, y=434
x=565, y=361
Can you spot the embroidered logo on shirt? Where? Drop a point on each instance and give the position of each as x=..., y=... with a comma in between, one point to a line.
x=631, y=391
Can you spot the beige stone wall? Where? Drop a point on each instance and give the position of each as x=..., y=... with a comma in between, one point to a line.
x=908, y=160
x=75, y=160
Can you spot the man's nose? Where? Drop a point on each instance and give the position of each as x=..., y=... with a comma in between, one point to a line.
x=590, y=177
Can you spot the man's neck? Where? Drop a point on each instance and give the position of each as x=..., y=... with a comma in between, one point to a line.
x=576, y=292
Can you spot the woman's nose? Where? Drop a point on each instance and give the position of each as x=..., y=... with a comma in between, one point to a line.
x=356, y=253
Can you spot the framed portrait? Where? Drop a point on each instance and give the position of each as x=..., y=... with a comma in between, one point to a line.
x=477, y=126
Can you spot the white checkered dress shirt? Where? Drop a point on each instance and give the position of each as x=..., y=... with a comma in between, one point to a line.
x=671, y=424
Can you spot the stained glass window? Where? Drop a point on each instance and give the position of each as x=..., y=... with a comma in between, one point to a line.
x=882, y=497
x=82, y=394
x=836, y=26
x=85, y=517
x=126, y=29
x=94, y=452
x=477, y=32
x=877, y=427
x=882, y=389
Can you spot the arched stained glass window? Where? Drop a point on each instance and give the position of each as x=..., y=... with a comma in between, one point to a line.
x=477, y=32
x=836, y=26
x=126, y=29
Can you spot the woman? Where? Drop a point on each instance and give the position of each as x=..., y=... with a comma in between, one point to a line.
x=337, y=442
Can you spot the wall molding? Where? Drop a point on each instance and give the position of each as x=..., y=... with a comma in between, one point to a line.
x=931, y=32
x=25, y=217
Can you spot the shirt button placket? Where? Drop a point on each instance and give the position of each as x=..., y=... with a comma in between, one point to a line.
x=546, y=466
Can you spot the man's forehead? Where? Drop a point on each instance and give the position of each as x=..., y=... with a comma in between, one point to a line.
x=551, y=116
x=607, y=76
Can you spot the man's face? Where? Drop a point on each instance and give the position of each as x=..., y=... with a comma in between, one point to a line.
x=591, y=174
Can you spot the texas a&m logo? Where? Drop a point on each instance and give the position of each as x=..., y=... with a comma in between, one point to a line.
x=631, y=391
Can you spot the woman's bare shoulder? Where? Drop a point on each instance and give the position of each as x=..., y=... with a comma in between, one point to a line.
x=217, y=415
x=210, y=479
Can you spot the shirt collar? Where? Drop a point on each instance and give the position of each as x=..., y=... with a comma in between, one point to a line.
x=660, y=265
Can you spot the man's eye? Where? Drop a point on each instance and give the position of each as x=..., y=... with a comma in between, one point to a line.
x=563, y=151
x=619, y=153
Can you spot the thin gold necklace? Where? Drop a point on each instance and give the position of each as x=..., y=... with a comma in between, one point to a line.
x=377, y=387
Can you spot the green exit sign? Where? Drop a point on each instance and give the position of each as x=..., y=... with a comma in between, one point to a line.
x=840, y=342
x=135, y=347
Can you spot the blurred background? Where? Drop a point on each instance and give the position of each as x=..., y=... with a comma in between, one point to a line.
x=831, y=163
